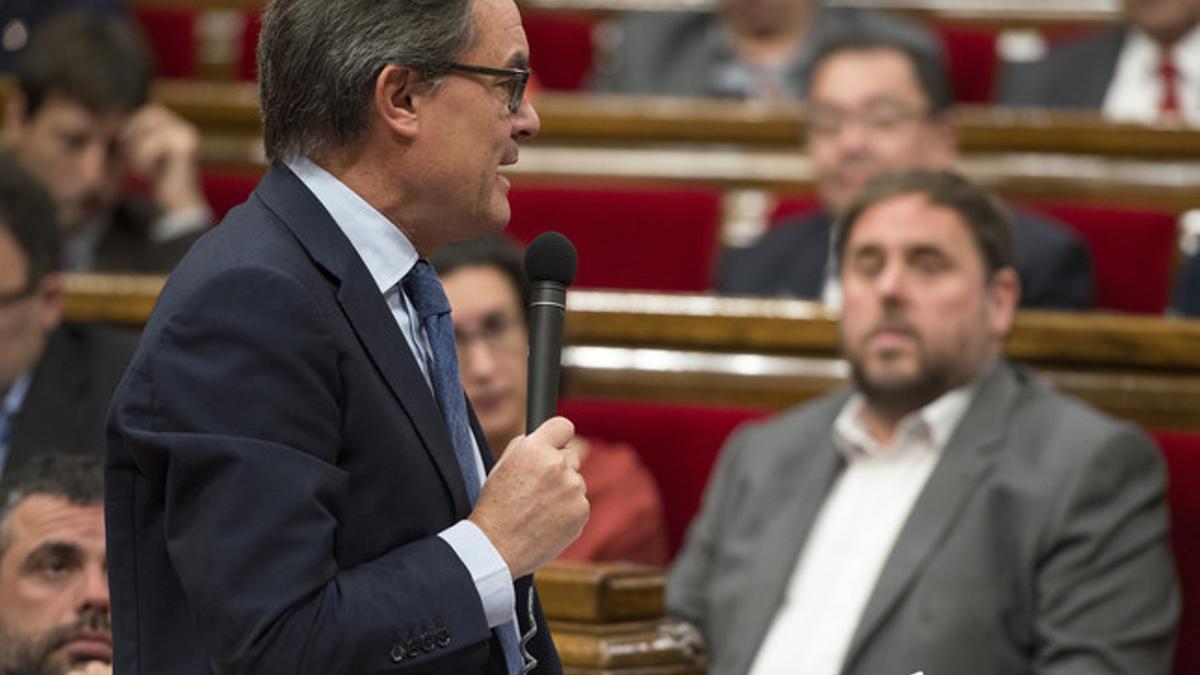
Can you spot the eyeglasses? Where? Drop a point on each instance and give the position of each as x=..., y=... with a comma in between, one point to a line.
x=498, y=332
x=827, y=121
x=515, y=78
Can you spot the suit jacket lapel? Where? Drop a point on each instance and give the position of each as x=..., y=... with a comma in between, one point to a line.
x=782, y=540
x=967, y=456
x=369, y=316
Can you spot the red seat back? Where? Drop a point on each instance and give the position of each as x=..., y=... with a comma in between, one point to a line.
x=1182, y=453
x=226, y=190
x=560, y=48
x=972, y=61
x=677, y=443
x=171, y=34
x=1132, y=252
x=660, y=240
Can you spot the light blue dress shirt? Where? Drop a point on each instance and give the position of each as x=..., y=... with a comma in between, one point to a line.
x=9, y=407
x=389, y=255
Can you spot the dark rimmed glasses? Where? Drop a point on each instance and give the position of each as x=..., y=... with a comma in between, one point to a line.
x=515, y=78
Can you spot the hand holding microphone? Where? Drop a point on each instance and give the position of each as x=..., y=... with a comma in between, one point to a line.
x=534, y=502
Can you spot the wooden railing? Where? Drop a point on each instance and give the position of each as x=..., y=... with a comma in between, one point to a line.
x=1022, y=154
x=776, y=353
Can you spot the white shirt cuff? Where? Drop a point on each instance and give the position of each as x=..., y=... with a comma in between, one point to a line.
x=492, y=579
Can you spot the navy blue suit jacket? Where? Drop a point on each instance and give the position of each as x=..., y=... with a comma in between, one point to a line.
x=278, y=471
x=1052, y=262
x=1187, y=297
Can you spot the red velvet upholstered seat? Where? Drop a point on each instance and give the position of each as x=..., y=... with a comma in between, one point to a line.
x=661, y=240
x=1182, y=452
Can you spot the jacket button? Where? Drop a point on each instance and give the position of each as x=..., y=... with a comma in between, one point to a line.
x=443, y=638
x=414, y=648
x=397, y=653
x=428, y=643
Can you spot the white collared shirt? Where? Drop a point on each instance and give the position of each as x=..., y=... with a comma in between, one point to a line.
x=388, y=256
x=1136, y=89
x=853, y=535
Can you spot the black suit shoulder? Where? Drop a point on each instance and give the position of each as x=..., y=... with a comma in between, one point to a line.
x=67, y=402
x=1053, y=262
x=128, y=246
x=789, y=260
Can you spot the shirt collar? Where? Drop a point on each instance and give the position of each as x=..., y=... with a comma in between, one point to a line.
x=1144, y=53
x=935, y=422
x=15, y=397
x=387, y=253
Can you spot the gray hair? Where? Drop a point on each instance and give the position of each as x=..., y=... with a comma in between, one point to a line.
x=79, y=479
x=318, y=61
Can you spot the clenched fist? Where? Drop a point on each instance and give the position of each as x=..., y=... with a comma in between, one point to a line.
x=534, y=502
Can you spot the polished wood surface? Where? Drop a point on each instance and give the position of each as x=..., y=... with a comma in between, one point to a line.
x=776, y=353
x=230, y=109
x=1021, y=154
x=608, y=618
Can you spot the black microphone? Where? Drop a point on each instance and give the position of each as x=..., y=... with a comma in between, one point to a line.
x=550, y=265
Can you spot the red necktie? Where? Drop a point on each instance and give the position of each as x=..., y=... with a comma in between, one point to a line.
x=1168, y=74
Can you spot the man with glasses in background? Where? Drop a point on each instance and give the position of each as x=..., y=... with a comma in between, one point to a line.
x=488, y=292
x=877, y=105
x=295, y=480
x=55, y=379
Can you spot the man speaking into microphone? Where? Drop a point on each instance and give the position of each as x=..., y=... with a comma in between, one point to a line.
x=295, y=482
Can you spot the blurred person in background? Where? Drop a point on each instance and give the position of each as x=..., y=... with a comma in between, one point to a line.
x=81, y=121
x=746, y=49
x=54, y=604
x=947, y=512
x=488, y=292
x=56, y=379
x=19, y=18
x=1145, y=69
x=878, y=105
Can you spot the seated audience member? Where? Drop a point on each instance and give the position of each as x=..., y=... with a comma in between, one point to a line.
x=877, y=105
x=54, y=606
x=485, y=283
x=1187, y=297
x=949, y=512
x=18, y=18
x=1145, y=69
x=746, y=49
x=81, y=123
x=55, y=380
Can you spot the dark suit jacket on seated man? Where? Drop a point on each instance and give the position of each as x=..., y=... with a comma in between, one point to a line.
x=55, y=379
x=1145, y=69
x=950, y=512
x=294, y=481
x=878, y=105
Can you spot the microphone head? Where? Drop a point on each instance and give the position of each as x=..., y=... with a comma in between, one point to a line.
x=551, y=257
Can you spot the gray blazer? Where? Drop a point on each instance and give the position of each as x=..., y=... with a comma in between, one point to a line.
x=1039, y=545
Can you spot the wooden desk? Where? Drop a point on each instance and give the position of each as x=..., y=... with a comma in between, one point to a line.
x=776, y=353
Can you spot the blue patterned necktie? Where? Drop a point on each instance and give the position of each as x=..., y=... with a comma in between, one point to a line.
x=424, y=290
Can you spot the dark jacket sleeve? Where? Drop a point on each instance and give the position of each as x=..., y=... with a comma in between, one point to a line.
x=235, y=410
